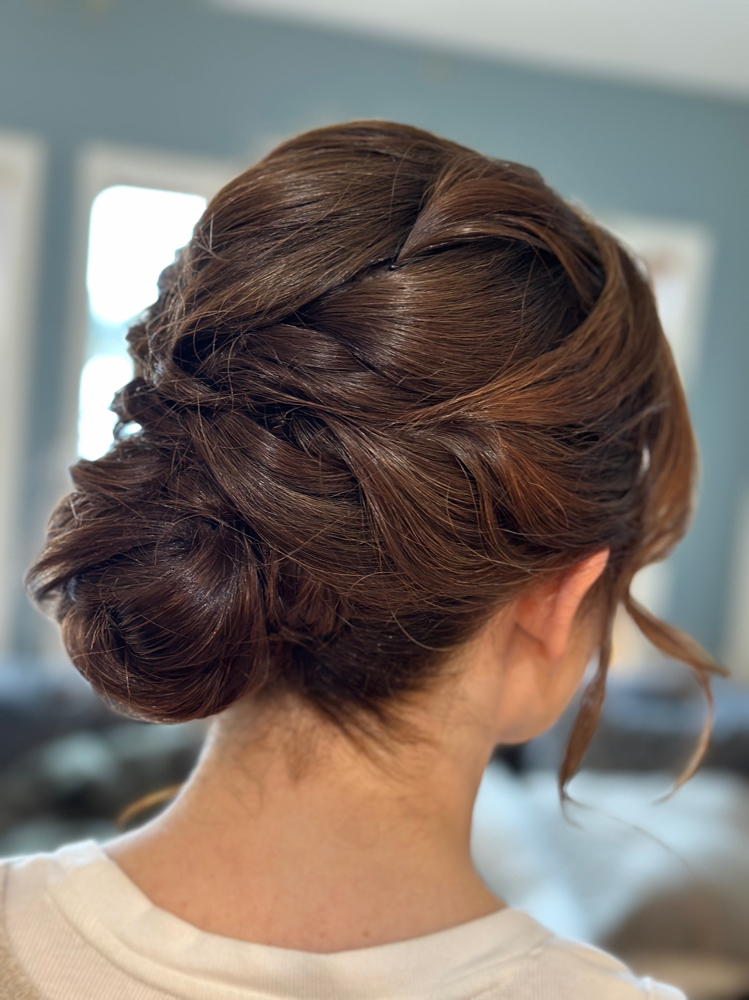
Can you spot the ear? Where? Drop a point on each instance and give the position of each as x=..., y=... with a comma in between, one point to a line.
x=547, y=615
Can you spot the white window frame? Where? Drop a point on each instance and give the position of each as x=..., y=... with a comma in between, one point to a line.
x=23, y=163
x=100, y=166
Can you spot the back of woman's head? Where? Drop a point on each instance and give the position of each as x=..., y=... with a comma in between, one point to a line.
x=389, y=384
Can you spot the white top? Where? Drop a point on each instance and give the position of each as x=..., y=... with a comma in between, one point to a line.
x=82, y=930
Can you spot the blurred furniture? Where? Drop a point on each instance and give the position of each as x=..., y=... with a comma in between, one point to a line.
x=69, y=766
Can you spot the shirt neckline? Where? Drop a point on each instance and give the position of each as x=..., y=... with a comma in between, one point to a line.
x=112, y=913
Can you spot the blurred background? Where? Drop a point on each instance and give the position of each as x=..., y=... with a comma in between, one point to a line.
x=119, y=118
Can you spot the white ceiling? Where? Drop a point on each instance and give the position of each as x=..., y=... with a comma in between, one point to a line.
x=693, y=44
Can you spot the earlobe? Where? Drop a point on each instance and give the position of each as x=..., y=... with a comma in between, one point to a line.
x=548, y=615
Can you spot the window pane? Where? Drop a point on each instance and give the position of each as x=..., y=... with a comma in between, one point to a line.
x=134, y=234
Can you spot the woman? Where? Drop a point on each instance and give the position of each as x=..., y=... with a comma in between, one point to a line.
x=403, y=426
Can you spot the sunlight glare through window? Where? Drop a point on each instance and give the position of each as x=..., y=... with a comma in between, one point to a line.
x=133, y=235
x=101, y=377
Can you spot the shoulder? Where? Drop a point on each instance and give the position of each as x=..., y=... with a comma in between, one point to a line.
x=14, y=983
x=570, y=970
x=30, y=922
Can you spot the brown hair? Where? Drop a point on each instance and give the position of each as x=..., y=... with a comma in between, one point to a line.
x=388, y=384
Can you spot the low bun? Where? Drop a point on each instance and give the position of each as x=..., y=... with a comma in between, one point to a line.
x=388, y=384
x=155, y=598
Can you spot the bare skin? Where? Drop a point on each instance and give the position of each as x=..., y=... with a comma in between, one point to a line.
x=286, y=834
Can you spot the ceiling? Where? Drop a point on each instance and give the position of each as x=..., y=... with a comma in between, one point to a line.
x=693, y=44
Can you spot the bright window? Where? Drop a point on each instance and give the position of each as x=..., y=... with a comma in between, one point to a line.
x=134, y=233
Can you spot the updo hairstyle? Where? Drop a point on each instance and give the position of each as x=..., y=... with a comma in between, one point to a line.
x=388, y=385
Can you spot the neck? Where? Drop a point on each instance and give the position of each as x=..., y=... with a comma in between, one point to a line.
x=306, y=842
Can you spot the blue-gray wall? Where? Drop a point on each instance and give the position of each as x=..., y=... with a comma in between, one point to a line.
x=180, y=75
